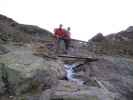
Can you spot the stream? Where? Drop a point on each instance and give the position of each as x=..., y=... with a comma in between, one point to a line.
x=71, y=74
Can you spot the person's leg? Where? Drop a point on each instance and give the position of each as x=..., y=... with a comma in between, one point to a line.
x=57, y=45
x=67, y=43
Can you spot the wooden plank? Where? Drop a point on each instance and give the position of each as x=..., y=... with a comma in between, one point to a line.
x=87, y=58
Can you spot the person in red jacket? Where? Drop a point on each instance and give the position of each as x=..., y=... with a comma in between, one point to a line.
x=59, y=34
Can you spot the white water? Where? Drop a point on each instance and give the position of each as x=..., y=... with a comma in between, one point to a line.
x=70, y=74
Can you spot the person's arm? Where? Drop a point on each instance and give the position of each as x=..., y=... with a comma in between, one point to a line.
x=56, y=33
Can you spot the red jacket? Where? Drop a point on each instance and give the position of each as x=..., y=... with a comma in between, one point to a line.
x=59, y=32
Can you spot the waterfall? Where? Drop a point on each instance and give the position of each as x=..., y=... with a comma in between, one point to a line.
x=71, y=73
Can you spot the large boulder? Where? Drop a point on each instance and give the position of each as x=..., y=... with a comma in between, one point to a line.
x=115, y=73
x=25, y=72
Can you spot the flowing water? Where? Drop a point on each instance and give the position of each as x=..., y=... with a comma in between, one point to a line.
x=71, y=74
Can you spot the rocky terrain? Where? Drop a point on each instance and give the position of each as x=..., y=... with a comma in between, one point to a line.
x=114, y=44
x=30, y=68
x=13, y=31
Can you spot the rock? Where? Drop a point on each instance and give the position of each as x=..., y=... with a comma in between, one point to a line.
x=40, y=49
x=46, y=95
x=1, y=41
x=80, y=67
x=1, y=82
x=98, y=38
x=129, y=29
x=113, y=44
x=3, y=50
x=115, y=73
x=28, y=97
x=92, y=82
x=71, y=91
x=13, y=31
x=29, y=73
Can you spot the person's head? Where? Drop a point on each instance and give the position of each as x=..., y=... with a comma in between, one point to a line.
x=60, y=26
x=68, y=29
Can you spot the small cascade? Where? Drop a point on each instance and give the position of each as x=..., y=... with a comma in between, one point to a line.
x=71, y=74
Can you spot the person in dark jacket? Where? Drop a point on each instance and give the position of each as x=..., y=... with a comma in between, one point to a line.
x=67, y=38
